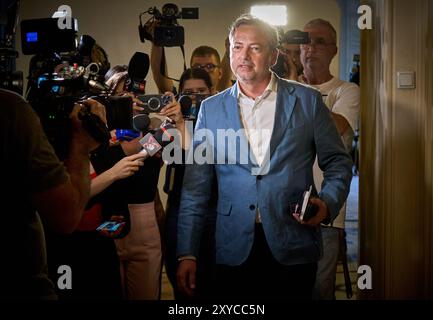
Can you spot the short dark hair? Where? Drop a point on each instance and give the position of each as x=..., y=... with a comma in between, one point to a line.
x=247, y=19
x=195, y=73
x=205, y=51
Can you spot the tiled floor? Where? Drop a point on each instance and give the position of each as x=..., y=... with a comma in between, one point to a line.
x=166, y=289
x=352, y=250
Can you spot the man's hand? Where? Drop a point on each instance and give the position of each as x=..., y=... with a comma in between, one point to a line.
x=291, y=71
x=186, y=272
x=321, y=215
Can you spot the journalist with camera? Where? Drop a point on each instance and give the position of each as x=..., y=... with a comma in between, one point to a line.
x=289, y=64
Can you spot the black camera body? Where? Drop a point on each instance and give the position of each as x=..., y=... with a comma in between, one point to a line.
x=57, y=81
x=44, y=35
x=9, y=78
x=169, y=36
x=153, y=103
x=167, y=32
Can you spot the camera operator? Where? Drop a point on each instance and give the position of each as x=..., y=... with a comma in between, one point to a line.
x=39, y=187
x=203, y=57
x=291, y=53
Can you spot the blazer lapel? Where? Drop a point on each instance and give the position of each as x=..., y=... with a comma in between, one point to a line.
x=234, y=122
x=284, y=109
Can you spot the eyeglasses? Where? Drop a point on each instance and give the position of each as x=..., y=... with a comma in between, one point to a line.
x=208, y=67
x=319, y=44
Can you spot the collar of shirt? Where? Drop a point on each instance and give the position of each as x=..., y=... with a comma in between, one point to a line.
x=271, y=87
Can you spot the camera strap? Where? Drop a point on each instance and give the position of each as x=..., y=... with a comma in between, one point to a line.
x=162, y=68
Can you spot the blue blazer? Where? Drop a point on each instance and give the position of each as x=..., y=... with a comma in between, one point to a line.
x=303, y=128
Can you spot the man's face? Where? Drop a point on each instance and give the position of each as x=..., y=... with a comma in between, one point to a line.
x=210, y=64
x=294, y=50
x=250, y=55
x=322, y=49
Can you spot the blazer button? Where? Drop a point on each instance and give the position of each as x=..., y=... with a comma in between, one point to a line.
x=259, y=177
x=252, y=207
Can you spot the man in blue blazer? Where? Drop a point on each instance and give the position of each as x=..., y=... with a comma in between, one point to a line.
x=263, y=247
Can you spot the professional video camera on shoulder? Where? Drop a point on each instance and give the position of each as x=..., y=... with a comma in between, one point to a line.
x=54, y=90
x=162, y=28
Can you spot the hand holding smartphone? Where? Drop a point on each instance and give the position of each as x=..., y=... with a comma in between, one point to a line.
x=308, y=210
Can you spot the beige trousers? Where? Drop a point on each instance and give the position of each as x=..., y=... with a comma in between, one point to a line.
x=140, y=255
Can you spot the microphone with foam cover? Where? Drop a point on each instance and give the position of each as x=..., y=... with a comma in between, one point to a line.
x=138, y=68
x=141, y=122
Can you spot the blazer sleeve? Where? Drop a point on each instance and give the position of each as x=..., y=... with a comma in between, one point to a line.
x=196, y=191
x=333, y=159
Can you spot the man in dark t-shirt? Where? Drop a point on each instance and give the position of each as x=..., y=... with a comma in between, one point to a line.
x=37, y=186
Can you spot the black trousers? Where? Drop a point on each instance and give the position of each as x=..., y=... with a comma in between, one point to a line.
x=263, y=277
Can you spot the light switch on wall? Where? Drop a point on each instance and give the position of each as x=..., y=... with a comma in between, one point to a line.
x=406, y=79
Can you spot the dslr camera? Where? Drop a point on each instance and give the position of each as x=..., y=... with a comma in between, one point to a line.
x=166, y=32
x=153, y=103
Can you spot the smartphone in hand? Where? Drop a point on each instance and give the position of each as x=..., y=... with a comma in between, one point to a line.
x=308, y=210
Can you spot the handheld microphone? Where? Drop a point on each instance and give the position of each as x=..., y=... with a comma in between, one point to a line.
x=141, y=122
x=152, y=143
x=138, y=68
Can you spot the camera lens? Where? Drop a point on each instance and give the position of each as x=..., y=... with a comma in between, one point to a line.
x=153, y=104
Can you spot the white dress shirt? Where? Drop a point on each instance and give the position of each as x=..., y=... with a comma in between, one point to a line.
x=258, y=117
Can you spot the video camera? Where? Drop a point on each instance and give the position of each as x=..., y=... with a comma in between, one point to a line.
x=167, y=32
x=10, y=79
x=62, y=82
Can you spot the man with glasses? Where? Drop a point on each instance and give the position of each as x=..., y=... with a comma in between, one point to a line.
x=342, y=98
x=203, y=57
